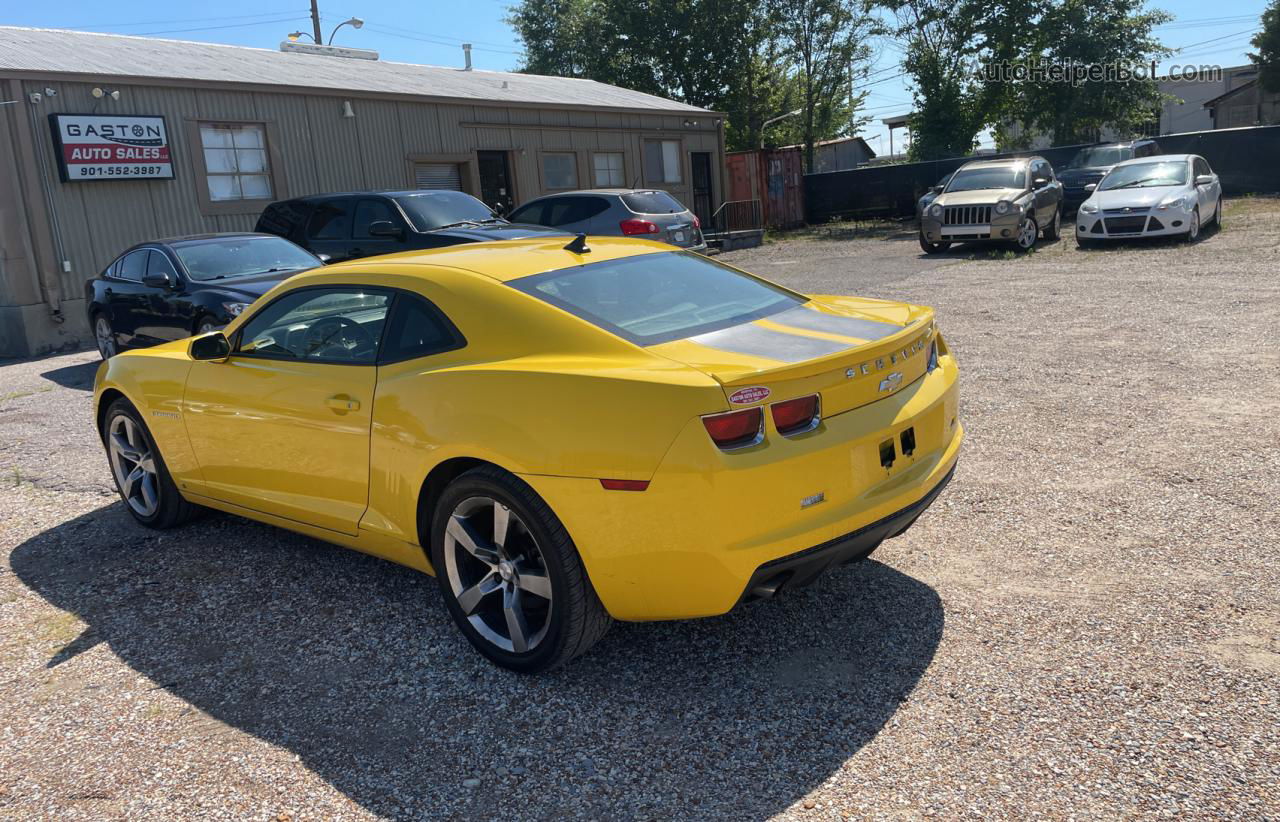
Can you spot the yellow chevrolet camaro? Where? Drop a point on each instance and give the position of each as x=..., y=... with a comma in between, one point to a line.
x=564, y=435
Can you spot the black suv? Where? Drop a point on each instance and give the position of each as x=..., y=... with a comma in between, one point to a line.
x=1091, y=164
x=347, y=226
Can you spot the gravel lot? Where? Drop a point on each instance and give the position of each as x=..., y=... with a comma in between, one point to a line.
x=1085, y=625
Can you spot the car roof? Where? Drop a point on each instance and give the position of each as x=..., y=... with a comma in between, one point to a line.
x=311, y=198
x=600, y=191
x=501, y=260
x=1137, y=161
x=183, y=239
x=1003, y=162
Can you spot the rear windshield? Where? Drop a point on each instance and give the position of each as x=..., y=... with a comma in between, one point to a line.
x=656, y=298
x=435, y=209
x=976, y=179
x=652, y=202
x=241, y=257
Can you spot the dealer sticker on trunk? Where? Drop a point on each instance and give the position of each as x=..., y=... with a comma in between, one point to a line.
x=746, y=396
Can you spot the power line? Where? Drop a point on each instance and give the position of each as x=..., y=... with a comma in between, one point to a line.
x=272, y=22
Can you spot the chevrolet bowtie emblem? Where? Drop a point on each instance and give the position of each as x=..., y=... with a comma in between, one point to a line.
x=891, y=382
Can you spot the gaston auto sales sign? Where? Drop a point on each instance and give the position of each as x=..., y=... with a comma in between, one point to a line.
x=111, y=147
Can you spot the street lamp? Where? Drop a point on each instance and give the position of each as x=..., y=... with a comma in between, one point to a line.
x=354, y=22
x=294, y=35
x=773, y=120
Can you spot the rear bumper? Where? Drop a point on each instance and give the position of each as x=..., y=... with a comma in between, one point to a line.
x=800, y=569
x=693, y=542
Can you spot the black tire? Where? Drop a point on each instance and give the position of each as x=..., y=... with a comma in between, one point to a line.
x=1053, y=230
x=1034, y=235
x=1217, y=214
x=171, y=509
x=574, y=619
x=1193, y=230
x=107, y=346
x=932, y=248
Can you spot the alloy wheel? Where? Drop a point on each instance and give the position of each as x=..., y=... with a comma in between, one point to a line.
x=134, y=465
x=1027, y=233
x=1194, y=230
x=497, y=574
x=105, y=338
x=206, y=327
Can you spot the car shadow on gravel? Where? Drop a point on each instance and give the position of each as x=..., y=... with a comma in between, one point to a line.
x=74, y=376
x=352, y=664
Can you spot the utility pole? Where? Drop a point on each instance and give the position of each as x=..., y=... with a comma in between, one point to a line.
x=315, y=21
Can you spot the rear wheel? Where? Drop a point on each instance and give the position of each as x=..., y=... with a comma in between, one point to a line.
x=139, y=471
x=932, y=248
x=104, y=336
x=511, y=577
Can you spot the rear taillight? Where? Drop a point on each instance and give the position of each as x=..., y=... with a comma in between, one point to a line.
x=795, y=416
x=633, y=226
x=736, y=429
x=697, y=223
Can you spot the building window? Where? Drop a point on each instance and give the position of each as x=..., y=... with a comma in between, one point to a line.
x=662, y=161
x=235, y=161
x=560, y=170
x=608, y=169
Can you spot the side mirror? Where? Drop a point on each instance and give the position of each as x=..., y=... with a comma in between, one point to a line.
x=324, y=258
x=935, y=189
x=1204, y=180
x=1090, y=186
x=385, y=228
x=211, y=347
x=1040, y=182
x=162, y=280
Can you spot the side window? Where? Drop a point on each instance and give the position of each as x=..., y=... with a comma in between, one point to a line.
x=372, y=211
x=531, y=213
x=133, y=266
x=160, y=264
x=340, y=325
x=418, y=329
x=591, y=206
x=330, y=221
x=564, y=210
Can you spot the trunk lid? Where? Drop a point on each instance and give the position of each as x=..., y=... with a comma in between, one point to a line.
x=850, y=351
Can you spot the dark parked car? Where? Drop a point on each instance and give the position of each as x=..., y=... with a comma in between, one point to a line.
x=932, y=194
x=650, y=214
x=1091, y=164
x=347, y=226
x=170, y=289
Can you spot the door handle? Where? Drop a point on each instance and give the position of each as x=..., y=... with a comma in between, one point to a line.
x=343, y=403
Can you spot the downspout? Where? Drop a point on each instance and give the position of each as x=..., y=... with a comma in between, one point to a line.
x=50, y=282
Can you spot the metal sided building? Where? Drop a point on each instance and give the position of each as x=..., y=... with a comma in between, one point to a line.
x=109, y=140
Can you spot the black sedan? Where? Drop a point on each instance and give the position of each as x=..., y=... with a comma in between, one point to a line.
x=348, y=226
x=169, y=289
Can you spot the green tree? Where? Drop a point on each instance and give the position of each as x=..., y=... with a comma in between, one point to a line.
x=826, y=43
x=1267, y=42
x=939, y=38
x=751, y=59
x=1072, y=35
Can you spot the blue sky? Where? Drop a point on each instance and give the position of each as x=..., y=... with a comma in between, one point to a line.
x=421, y=32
